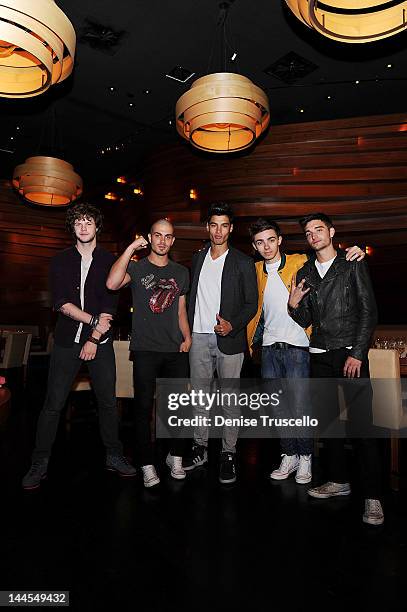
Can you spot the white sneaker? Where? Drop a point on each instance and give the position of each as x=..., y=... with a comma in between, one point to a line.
x=288, y=465
x=150, y=477
x=175, y=463
x=330, y=489
x=373, y=514
x=304, y=474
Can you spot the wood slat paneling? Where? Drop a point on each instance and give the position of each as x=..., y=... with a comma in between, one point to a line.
x=353, y=169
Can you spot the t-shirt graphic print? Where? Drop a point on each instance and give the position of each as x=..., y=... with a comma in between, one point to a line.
x=164, y=292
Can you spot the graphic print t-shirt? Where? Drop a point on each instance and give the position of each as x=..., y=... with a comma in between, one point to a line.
x=156, y=291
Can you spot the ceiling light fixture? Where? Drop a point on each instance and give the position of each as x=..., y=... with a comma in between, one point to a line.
x=47, y=181
x=222, y=112
x=352, y=21
x=37, y=47
x=111, y=196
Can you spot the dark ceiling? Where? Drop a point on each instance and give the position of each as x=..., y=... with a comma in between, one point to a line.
x=130, y=45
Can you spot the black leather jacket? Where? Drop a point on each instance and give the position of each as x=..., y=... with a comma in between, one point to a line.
x=341, y=306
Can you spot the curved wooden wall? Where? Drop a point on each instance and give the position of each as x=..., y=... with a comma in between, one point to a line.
x=353, y=169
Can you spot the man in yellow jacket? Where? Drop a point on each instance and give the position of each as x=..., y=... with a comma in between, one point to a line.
x=284, y=343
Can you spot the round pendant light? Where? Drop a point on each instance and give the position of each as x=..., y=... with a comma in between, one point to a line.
x=37, y=47
x=352, y=21
x=47, y=181
x=222, y=112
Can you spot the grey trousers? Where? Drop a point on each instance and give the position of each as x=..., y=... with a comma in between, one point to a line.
x=204, y=358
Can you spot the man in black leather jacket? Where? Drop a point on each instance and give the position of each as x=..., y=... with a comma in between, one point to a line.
x=336, y=297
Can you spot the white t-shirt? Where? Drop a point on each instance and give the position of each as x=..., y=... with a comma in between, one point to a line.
x=323, y=268
x=85, y=265
x=207, y=303
x=278, y=325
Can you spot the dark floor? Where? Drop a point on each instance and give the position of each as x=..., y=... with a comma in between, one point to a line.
x=193, y=545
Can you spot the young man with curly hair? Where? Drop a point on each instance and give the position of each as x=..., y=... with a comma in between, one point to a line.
x=85, y=310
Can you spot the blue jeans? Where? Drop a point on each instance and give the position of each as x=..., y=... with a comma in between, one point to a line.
x=291, y=363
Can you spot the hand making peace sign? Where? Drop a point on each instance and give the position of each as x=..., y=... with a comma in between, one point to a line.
x=297, y=293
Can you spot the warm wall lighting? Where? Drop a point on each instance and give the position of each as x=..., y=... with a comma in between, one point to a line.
x=138, y=191
x=222, y=112
x=193, y=194
x=47, y=181
x=352, y=21
x=121, y=179
x=111, y=196
x=37, y=47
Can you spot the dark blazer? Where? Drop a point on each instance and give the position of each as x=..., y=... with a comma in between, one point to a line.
x=238, y=301
x=65, y=281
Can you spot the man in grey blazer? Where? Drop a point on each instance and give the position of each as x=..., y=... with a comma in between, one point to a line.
x=223, y=299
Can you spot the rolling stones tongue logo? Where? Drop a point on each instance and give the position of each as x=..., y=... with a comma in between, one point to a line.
x=165, y=292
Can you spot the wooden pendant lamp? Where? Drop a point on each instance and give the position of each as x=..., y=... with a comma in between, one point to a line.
x=222, y=112
x=352, y=21
x=37, y=47
x=47, y=181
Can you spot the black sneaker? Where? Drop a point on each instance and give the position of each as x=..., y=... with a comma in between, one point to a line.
x=119, y=464
x=36, y=473
x=197, y=457
x=227, y=472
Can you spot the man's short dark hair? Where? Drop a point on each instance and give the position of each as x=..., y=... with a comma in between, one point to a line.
x=163, y=220
x=219, y=209
x=83, y=211
x=316, y=217
x=262, y=224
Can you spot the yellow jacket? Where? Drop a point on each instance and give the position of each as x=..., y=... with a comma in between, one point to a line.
x=289, y=266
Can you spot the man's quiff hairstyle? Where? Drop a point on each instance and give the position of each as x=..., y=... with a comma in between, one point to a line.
x=316, y=217
x=261, y=225
x=219, y=209
x=83, y=211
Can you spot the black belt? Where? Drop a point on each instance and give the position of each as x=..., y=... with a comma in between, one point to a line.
x=285, y=345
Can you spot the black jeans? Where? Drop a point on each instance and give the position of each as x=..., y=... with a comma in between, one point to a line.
x=147, y=366
x=359, y=412
x=64, y=367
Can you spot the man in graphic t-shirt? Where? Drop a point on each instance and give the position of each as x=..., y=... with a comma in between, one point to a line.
x=160, y=336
